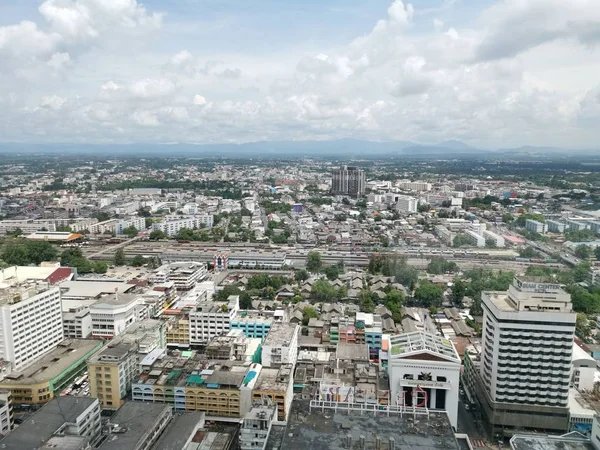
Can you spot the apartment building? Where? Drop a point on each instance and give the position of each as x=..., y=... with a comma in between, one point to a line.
x=281, y=345
x=252, y=324
x=527, y=347
x=256, y=426
x=112, y=371
x=184, y=275
x=555, y=226
x=178, y=332
x=406, y=205
x=495, y=238
x=535, y=226
x=277, y=385
x=171, y=225
x=63, y=423
x=348, y=180
x=444, y=234
x=209, y=319
x=475, y=238
x=30, y=320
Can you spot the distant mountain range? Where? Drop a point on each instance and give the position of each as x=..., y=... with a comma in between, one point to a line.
x=346, y=148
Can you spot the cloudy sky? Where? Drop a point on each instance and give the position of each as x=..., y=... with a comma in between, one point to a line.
x=491, y=73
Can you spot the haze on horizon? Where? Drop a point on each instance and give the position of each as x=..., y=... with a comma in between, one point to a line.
x=489, y=73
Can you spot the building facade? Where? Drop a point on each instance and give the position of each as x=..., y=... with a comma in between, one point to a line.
x=424, y=371
x=171, y=224
x=210, y=319
x=527, y=348
x=30, y=322
x=112, y=371
x=281, y=345
x=348, y=180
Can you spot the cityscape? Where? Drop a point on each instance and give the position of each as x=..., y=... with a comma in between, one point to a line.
x=299, y=225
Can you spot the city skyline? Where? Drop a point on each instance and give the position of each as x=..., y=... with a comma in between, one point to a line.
x=492, y=75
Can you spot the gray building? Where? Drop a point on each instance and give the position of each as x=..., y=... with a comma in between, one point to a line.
x=68, y=423
x=348, y=180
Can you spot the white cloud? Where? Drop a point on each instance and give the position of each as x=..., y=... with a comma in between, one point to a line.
x=523, y=73
x=151, y=88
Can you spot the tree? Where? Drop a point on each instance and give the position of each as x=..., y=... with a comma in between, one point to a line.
x=508, y=218
x=438, y=266
x=14, y=254
x=157, y=235
x=331, y=272
x=301, y=275
x=366, y=301
x=64, y=228
x=528, y=252
x=429, y=294
x=597, y=252
x=460, y=240
x=100, y=267
x=457, y=292
x=313, y=261
x=130, y=231
x=144, y=212
x=324, y=291
x=308, y=313
x=223, y=294
x=39, y=251
x=138, y=261
x=119, y=258
x=490, y=243
x=583, y=252
x=245, y=300
x=394, y=296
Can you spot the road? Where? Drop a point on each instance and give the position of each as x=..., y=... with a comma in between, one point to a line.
x=467, y=424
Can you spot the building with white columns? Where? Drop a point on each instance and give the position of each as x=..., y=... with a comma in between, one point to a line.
x=424, y=371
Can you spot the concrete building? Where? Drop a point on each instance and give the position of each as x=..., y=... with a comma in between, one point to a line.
x=576, y=225
x=256, y=426
x=137, y=426
x=112, y=371
x=555, y=226
x=185, y=275
x=209, y=319
x=281, y=345
x=535, y=226
x=415, y=185
x=77, y=321
x=6, y=413
x=30, y=320
x=583, y=370
x=38, y=383
x=444, y=234
x=348, y=180
x=186, y=431
x=524, y=371
x=495, y=238
x=188, y=381
x=113, y=313
x=475, y=238
x=139, y=223
x=65, y=423
x=276, y=385
x=171, y=225
x=424, y=371
x=406, y=205
x=253, y=325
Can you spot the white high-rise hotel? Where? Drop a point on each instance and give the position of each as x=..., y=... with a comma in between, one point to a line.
x=527, y=347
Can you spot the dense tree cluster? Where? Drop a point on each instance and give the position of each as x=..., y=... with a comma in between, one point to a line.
x=23, y=252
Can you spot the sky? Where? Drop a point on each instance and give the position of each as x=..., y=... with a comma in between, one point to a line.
x=493, y=74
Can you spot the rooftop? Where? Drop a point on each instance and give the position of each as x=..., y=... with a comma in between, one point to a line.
x=137, y=418
x=179, y=430
x=570, y=441
x=52, y=364
x=93, y=289
x=114, y=351
x=331, y=430
x=421, y=341
x=40, y=426
x=281, y=333
x=352, y=352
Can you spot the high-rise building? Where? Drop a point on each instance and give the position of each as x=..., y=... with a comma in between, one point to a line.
x=348, y=180
x=30, y=320
x=524, y=369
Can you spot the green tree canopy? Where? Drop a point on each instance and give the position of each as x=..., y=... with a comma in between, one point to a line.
x=438, y=266
x=119, y=258
x=583, y=251
x=157, y=235
x=130, y=231
x=429, y=294
x=313, y=261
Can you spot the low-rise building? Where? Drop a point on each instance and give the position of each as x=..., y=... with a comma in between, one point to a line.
x=424, y=371
x=170, y=225
x=38, y=382
x=281, y=345
x=209, y=319
x=137, y=425
x=63, y=423
x=536, y=226
x=497, y=240
x=112, y=371
x=113, y=313
x=254, y=325
x=7, y=420
x=256, y=426
x=77, y=321
x=184, y=275
x=277, y=385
